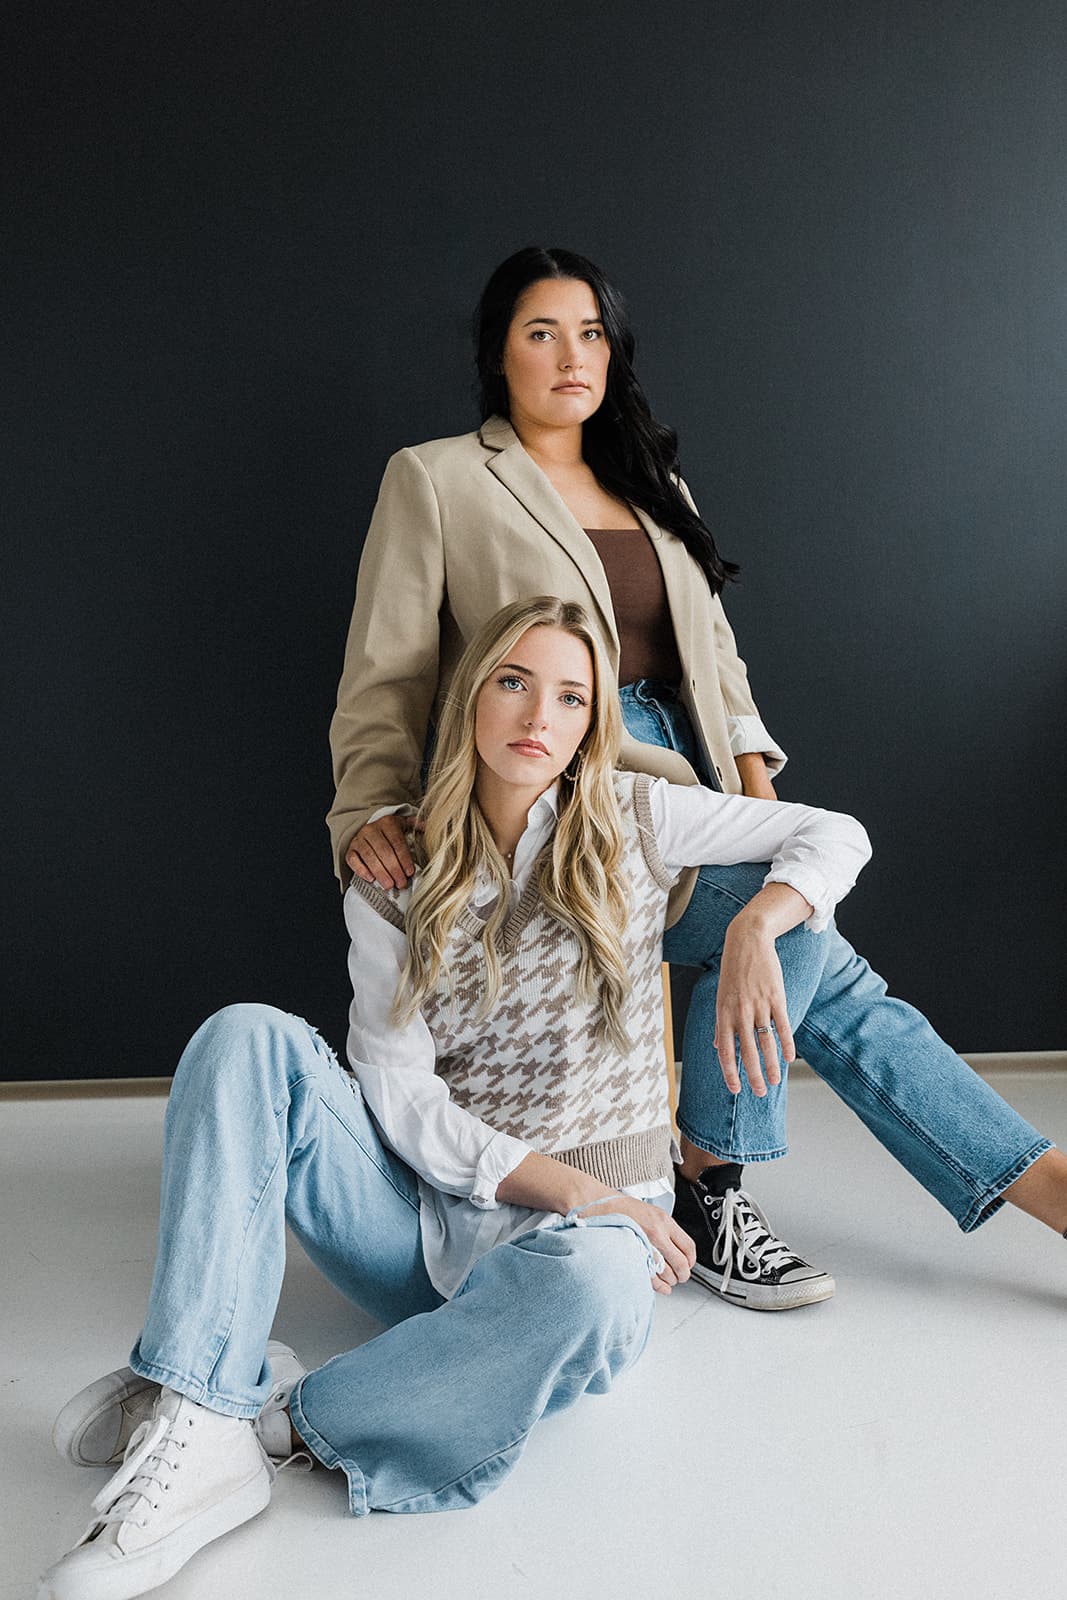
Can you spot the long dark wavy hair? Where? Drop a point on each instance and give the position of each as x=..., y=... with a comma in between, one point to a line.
x=632, y=455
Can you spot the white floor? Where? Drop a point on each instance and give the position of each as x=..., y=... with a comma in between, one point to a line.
x=903, y=1440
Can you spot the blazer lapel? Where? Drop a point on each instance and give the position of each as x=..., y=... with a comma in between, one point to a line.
x=521, y=475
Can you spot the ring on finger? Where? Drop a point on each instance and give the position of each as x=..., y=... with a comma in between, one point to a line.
x=763, y=1030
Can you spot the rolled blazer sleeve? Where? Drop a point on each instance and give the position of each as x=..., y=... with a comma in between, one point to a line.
x=390, y=674
x=747, y=730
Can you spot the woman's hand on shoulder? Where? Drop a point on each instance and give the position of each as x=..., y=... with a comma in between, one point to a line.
x=379, y=852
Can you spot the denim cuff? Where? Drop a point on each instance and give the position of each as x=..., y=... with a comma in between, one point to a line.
x=194, y=1389
x=989, y=1203
x=357, y=1484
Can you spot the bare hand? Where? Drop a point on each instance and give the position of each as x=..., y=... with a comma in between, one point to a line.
x=751, y=1005
x=663, y=1233
x=379, y=852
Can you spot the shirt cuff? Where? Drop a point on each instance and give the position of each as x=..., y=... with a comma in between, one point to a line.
x=748, y=736
x=499, y=1158
x=814, y=889
x=392, y=811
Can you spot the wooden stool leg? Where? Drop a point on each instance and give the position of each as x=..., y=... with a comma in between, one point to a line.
x=668, y=1046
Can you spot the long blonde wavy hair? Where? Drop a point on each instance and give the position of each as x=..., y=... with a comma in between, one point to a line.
x=579, y=880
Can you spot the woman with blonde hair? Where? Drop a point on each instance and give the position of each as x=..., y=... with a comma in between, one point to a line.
x=492, y=1179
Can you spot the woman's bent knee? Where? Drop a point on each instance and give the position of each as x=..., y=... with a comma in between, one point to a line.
x=600, y=1278
x=251, y=1043
x=248, y=1017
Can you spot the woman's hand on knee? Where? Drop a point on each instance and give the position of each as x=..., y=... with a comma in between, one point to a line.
x=751, y=1017
x=379, y=852
x=676, y=1249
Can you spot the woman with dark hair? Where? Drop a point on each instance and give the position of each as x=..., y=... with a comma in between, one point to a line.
x=570, y=486
x=624, y=450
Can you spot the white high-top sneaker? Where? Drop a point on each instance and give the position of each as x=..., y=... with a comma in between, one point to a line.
x=94, y=1428
x=190, y=1475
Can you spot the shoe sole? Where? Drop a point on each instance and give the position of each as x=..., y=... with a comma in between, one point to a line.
x=137, y=1574
x=76, y=1431
x=767, y=1297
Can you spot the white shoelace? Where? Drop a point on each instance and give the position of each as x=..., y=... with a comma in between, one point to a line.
x=745, y=1240
x=151, y=1458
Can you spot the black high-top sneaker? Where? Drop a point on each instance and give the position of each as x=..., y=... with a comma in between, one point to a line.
x=737, y=1254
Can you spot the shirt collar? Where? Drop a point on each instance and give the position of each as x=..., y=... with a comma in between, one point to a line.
x=540, y=821
x=545, y=805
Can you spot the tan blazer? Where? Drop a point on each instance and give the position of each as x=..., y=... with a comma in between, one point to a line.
x=462, y=527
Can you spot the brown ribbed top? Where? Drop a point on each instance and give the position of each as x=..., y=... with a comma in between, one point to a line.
x=642, y=615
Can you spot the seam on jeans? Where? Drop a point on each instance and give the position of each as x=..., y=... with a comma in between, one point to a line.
x=654, y=711
x=231, y=1310
x=309, y=1077
x=738, y=900
x=321, y=1448
x=282, y=1110
x=731, y=1154
x=988, y=1205
x=462, y=1476
x=186, y=1384
x=307, y=1430
x=670, y=740
x=743, y=1156
x=304, y=1078
x=370, y=1155
x=904, y=1120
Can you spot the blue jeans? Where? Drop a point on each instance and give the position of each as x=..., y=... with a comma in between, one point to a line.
x=937, y=1117
x=264, y=1127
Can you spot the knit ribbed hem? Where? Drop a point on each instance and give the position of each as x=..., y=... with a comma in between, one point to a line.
x=380, y=901
x=647, y=833
x=621, y=1163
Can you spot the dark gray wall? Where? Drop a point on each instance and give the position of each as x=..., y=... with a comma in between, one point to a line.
x=247, y=240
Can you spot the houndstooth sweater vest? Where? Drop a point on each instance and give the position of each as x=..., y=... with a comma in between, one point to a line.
x=534, y=1067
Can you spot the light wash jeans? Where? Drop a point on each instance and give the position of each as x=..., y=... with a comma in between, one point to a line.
x=920, y=1100
x=264, y=1126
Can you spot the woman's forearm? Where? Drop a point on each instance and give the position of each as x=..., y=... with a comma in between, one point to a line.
x=544, y=1184
x=776, y=909
x=755, y=779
